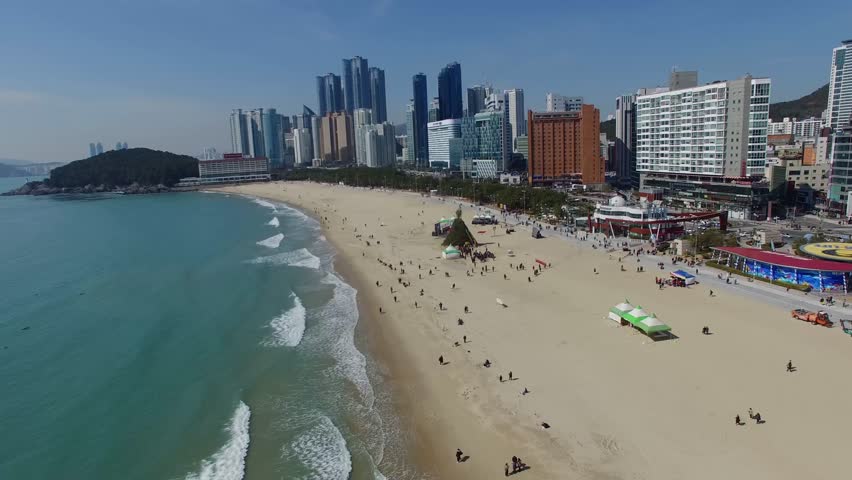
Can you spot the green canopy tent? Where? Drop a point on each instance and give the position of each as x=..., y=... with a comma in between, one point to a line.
x=450, y=253
x=616, y=312
x=651, y=325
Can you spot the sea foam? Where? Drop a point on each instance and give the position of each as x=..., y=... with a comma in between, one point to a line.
x=272, y=242
x=297, y=258
x=229, y=462
x=274, y=222
x=322, y=450
x=289, y=327
x=264, y=203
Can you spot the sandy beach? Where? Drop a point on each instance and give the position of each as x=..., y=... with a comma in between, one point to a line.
x=619, y=405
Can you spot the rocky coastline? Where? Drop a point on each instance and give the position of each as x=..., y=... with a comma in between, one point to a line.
x=42, y=188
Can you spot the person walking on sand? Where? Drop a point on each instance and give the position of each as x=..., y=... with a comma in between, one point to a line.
x=441, y=360
x=790, y=366
x=464, y=338
x=458, y=455
x=501, y=378
x=506, y=470
x=737, y=420
x=510, y=375
x=440, y=305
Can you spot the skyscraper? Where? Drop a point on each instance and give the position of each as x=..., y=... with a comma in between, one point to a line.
x=485, y=136
x=362, y=119
x=450, y=92
x=271, y=130
x=99, y=149
x=377, y=93
x=839, y=112
x=124, y=146
x=410, y=156
x=442, y=155
x=517, y=114
x=434, y=110
x=303, y=147
x=625, y=141
x=356, y=84
x=118, y=145
x=92, y=150
x=421, y=118
x=316, y=139
x=239, y=132
x=475, y=100
x=329, y=94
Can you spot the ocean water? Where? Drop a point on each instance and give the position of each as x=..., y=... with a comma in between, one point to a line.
x=181, y=336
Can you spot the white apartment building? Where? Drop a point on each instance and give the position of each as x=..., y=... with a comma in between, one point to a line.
x=561, y=103
x=713, y=130
x=303, y=150
x=379, y=145
x=445, y=148
x=517, y=115
x=839, y=112
x=807, y=128
x=362, y=118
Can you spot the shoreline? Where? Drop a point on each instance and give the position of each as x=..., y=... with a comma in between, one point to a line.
x=613, y=401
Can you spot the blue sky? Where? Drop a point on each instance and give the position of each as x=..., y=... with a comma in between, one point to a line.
x=165, y=73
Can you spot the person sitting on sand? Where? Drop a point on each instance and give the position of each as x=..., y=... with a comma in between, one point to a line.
x=487, y=363
x=459, y=455
x=466, y=309
x=461, y=322
x=525, y=391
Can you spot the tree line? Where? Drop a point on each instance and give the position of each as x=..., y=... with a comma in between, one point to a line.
x=539, y=201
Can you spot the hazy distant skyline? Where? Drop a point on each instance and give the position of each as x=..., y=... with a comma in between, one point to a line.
x=165, y=73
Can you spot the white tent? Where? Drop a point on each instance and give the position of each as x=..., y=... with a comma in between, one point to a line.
x=450, y=253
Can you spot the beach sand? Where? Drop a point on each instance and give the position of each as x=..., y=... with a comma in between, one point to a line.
x=619, y=405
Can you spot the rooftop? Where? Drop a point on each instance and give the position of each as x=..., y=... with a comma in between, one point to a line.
x=786, y=260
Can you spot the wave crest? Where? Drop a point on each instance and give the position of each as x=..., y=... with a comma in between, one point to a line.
x=229, y=463
x=272, y=242
x=297, y=258
x=289, y=327
x=322, y=450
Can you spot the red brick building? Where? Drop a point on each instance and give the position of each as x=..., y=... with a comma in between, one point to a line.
x=564, y=147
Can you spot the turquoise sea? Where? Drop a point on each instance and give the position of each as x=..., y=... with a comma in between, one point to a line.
x=181, y=336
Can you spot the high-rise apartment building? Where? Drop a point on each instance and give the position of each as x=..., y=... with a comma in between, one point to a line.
x=377, y=94
x=239, y=132
x=624, y=161
x=379, y=145
x=421, y=118
x=92, y=150
x=303, y=147
x=475, y=100
x=99, y=148
x=362, y=119
x=409, y=152
x=344, y=134
x=316, y=139
x=560, y=103
x=258, y=133
x=712, y=131
x=272, y=131
x=329, y=94
x=564, y=147
x=517, y=114
x=356, y=84
x=839, y=112
x=840, y=178
x=450, y=92
x=444, y=144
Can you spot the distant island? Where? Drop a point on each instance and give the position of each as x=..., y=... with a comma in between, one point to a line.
x=131, y=171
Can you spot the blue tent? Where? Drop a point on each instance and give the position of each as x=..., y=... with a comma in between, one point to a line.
x=685, y=276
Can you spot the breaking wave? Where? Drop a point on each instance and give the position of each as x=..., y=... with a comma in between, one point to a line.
x=264, y=203
x=322, y=451
x=274, y=222
x=297, y=258
x=230, y=461
x=273, y=241
x=289, y=327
